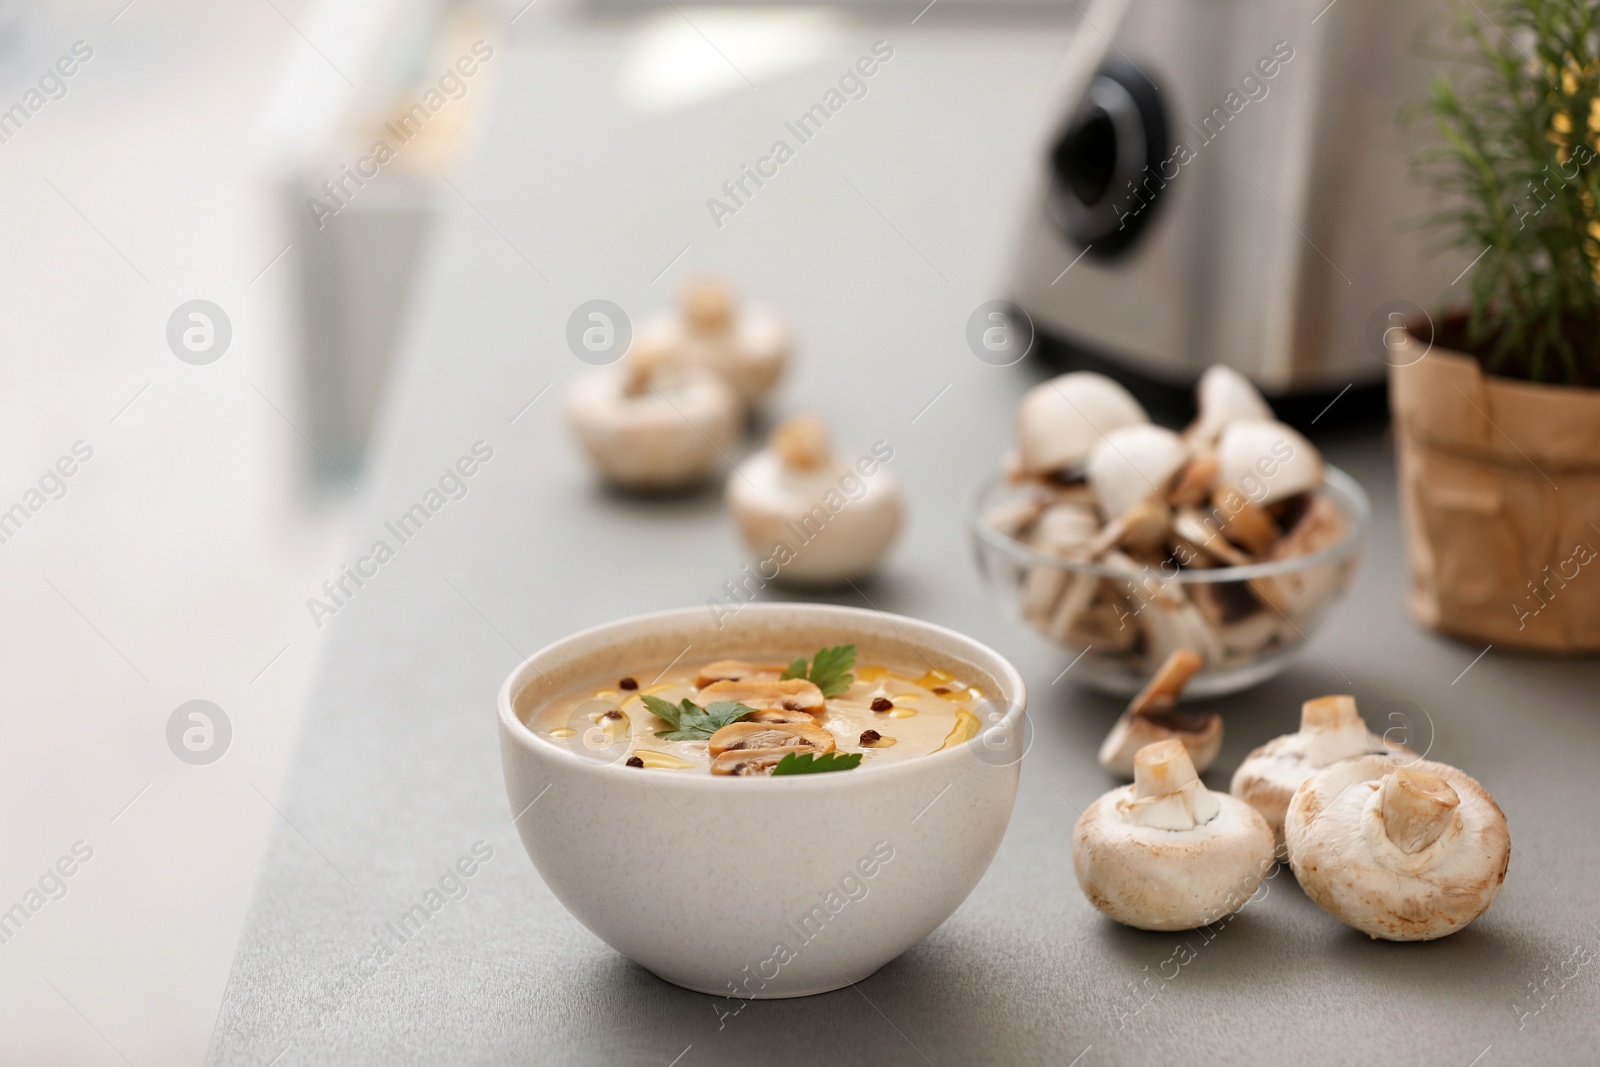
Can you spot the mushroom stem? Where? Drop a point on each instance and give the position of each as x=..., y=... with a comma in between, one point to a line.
x=1247, y=524
x=707, y=306
x=1162, y=768
x=1143, y=527
x=1417, y=808
x=1194, y=484
x=1167, y=793
x=1149, y=718
x=1191, y=525
x=801, y=442
x=1162, y=691
x=1335, y=729
x=643, y=363
x=1329, y=712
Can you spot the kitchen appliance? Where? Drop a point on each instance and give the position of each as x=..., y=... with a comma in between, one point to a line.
x=1228, y=182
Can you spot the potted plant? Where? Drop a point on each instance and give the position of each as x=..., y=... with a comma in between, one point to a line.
x=1496, y=405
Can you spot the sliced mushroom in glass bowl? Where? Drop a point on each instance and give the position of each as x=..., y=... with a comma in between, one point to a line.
x=1123, y=541
x=1119, y=596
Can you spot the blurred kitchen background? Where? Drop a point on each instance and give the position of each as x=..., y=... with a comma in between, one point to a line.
x=176, y=165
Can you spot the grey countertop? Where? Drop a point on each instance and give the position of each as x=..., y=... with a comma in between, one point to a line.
x=879, y=240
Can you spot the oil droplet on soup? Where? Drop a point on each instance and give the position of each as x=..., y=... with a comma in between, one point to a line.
x=965, y=729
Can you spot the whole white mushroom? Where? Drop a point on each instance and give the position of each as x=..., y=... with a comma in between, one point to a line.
x=1331, y=730
x=1406, y=853
x=748, y=346
x=652, y=423
x=1166, y=853
x=1062, y=419
x=818, y=516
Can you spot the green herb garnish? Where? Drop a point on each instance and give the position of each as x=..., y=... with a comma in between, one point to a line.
x=806, y=763
x=691, y=722
x=829, y=671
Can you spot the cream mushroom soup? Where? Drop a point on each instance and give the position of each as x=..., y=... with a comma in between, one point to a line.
x=757, y=716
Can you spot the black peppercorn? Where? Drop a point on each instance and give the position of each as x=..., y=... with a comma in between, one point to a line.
x=870, y=737
x=882, y=704
x=627, y=683
x=635, y=761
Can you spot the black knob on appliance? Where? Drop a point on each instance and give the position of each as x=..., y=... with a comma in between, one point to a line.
x=1106, y=164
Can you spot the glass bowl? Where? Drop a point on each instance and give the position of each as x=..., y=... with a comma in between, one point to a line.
x=1250, y=620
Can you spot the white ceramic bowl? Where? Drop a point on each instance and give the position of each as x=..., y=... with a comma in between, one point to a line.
x=762, y=887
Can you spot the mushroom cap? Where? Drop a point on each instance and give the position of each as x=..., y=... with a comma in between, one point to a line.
x=747, y=346
x=668, y=436
x=1062, y=419
x=1223, y=396
x=764, y=343
x=1270, y=775
x=1158, y=879
x=1266, y=461
x=753, y=735
x=737, y=670
x=777, y=694
x=819, y=526
x=1353, y=845
x=748, y=762
x=1132, y=464
x=1201, y=735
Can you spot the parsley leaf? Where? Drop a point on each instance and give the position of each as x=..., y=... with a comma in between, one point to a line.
x=690, y=722
x=829, y=670
x=806, y=763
